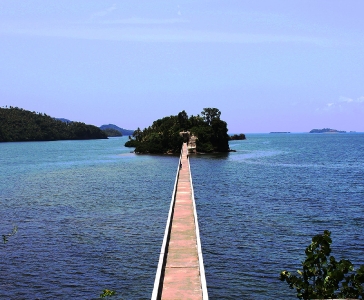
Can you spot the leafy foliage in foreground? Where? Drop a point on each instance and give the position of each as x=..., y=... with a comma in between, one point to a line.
x=322, y=276
x=163, y=136
x=17, y=125
x=107, y=293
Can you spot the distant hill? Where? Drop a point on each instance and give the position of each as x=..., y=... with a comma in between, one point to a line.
x=326, y=130
x=122, y=130
x=18, y=125
x=64, y=120
x=112, y=132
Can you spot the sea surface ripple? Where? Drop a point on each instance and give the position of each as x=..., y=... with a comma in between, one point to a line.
x=91, y=215
x=260, y=206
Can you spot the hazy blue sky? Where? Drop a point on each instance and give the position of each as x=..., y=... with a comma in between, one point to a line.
x=268, y=65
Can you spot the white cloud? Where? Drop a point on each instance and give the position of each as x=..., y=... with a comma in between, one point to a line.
x=97, y=31
x=343, y=104
x=350, y=100
x=104, y=12
x=345, y=99
x=143, y=21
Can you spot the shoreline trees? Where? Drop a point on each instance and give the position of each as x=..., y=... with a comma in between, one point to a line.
x=19, y=125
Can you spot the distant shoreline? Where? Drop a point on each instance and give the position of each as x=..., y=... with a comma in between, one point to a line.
x=280, y=132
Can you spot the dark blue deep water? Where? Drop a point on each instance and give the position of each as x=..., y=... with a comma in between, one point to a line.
x=259, y=207
x=91, y=215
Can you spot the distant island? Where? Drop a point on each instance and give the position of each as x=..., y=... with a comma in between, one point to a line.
x=279, y=132
x=18, y=125
x=234, y=137
x=326, y=130
x=111, y=128
x=206, y=133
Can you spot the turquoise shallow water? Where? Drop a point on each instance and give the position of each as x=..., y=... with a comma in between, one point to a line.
x=91, y=215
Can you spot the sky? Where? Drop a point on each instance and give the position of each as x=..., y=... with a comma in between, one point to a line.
x=267, y=65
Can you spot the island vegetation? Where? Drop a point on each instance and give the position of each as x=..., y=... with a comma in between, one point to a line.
x=165, y=135
x=17, y=124
x=110, y=132
x=240, y=136
x=326, y=130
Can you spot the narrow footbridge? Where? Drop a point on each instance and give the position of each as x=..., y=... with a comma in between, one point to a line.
x=180, y=273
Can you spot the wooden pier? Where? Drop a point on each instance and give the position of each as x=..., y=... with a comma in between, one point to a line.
x=180, y=273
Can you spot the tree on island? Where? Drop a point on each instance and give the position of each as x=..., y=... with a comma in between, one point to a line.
x=209, y=114
x=163, y=136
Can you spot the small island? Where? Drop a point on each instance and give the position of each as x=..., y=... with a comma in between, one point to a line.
x=326, y=130
x=237, y=137
x=205, y=134
x=20, y=125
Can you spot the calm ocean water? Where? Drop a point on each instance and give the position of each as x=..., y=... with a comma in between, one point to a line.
x=91, y=215
x=259, y=207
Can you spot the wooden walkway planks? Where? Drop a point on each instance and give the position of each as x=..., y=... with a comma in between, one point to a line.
x=182, y=275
